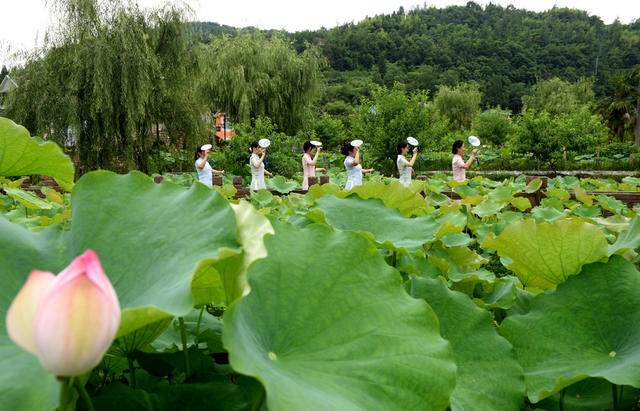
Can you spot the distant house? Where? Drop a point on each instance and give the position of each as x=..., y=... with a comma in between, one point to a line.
x=6, y=86
x=224, y=130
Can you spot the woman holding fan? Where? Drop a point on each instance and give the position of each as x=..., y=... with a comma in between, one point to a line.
x=308, y=164
x=257, y=165
x=352, y=163
x=405, y=168
x=205, y=172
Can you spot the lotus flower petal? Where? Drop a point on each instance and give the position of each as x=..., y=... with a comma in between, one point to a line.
x=78, y=319
x=22, y=311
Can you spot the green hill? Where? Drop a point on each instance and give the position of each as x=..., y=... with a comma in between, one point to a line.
x=504, y=49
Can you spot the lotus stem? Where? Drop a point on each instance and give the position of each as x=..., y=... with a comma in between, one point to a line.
x=185, y=350
x=84, y=394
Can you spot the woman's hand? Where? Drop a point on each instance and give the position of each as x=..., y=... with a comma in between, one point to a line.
x=475, y=151
x=268, y=173
x=263, y=151
x=323, y=170
x=413, y=172
x=415, y=150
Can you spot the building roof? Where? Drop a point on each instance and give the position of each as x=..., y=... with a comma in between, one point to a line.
x=7, y=84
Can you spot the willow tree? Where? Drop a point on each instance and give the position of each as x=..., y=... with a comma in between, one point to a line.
x=106, y=75
x=249, y=75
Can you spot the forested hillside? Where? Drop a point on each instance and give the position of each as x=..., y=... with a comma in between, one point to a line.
x=506, y=50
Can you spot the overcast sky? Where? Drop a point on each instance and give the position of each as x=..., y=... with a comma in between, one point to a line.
x=24, y=22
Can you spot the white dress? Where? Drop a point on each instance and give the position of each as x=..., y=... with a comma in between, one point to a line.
x=204, y=173
x=404, y=169
x=257, y=174
x=354, y=173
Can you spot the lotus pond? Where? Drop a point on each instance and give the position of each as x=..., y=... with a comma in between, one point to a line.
x=378, y=298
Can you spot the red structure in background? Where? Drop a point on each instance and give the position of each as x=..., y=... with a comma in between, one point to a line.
x=224, y=130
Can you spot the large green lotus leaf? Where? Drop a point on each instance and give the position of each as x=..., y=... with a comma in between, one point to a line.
x=488, y=375
x=150, y=253
x=521, y=203
x=616, y=223
x=330, y=327
x=280, y=184
x=547, y=214
x=534, y=185
x=394, y=195
x=487, y=208
x=500, y=194
x=27, y=199
x=387, y=226
x=588, y=327
x=627, y=240
x=22, y=155
x=150, y=239
x=591, y=394
x=610, y=203
x=466, y=191
x=544, y=255
x=588, y=211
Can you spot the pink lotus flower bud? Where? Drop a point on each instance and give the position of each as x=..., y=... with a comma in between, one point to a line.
x=69, y=320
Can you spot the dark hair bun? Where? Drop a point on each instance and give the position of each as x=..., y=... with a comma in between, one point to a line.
x=346, y=148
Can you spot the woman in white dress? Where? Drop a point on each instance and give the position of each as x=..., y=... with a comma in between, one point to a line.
x=308, y=164
x=203, y=168
x=405, y=168
x=257, y=167
x=352, y=165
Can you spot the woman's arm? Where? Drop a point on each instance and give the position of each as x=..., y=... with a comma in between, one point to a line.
x=322, y=170
x=368, y=170
x=315, y=158
x=470, y=160
x=356, y=157
x=204, y=161
x=413, y=159
x=217, y=172
x=268, y=173
x=259, y=162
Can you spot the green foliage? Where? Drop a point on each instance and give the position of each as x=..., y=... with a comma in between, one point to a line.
x=330, y=131
x=459, y=104
x=488, y=375
x=546, y=136
x=22, y=155
x=292, y=333
x=389, y=117
x=249, y=76
x=493, y=126
x=72, y=91
x=600, y=337
x=556, y=96
x=284, y=155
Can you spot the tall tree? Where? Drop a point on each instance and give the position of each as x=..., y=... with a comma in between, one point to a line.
x=556, y=96
x=620, y=110
x=250, y=75
x=459, y=104
x=108, y=73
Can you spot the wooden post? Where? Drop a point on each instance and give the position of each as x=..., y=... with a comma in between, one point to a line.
x=597, y=157
x=421, y=178
x=237, y=181
x=564, y=157
x=324, y=180
x=158, y=179
x=216, y=181
x=312, y=181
